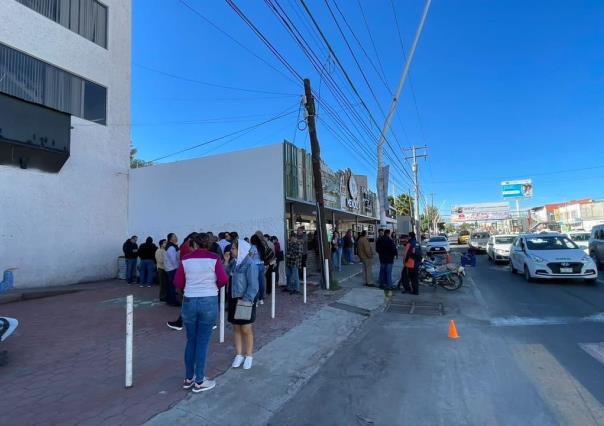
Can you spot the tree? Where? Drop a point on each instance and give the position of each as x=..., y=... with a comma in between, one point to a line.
x=403, y=204
x=450, y=228
x=429, y=218
x=135, y=163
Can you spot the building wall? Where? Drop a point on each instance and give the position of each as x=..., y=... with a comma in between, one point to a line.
x=67, y=227
x=240, y=191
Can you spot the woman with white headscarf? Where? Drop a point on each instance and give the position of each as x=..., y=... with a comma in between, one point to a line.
x=242, y=299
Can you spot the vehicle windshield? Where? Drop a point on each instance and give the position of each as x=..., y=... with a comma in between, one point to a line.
x=437, y=240
x=463, y=233
x=550, y=243
x=580, y=237
x=504, y=240
x=480, y=236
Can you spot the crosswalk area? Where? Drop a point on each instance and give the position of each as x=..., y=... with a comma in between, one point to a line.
x=570, y=401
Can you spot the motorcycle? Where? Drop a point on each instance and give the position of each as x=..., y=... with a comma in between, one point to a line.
x=437, y=274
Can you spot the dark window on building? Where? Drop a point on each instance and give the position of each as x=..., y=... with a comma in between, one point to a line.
x=33, y=136
x=88, y=18
x=35, y=81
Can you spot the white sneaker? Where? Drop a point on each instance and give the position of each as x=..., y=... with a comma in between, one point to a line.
x=247, y=364
x=238, y=361
x=206, y=385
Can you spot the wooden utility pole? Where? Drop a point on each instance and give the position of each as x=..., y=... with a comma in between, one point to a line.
x=317, y=180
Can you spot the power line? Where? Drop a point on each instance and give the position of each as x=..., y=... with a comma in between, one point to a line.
x=246, y=129
x=488, y=179
x=290, y=68
x=348, y=79
x=207, y=83
x=247, y=49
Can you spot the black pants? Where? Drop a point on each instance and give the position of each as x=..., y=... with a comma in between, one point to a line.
x=277, y=273
x=269, y=279
x=405, y=280
x=304, y=258
x=162, y=278
x=414, y=279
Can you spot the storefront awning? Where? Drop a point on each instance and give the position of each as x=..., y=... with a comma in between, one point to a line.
x=306, y=208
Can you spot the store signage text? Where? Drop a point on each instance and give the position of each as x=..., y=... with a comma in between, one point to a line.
x=353, y=204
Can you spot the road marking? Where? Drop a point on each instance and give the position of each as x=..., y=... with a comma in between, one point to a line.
x=515, y=321
x=594, y=349
x=574, y=404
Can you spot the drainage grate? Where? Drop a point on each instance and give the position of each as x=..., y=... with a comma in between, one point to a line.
x=416, y=308
x=350, y=308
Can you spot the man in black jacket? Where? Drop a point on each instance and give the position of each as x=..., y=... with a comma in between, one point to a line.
x=147, y=254
x=130, y=249
x=386, y=249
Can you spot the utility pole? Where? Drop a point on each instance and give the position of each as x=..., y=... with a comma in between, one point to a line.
x=317, y=179
x=415, y=169
x=381, y=185
x=433, y=216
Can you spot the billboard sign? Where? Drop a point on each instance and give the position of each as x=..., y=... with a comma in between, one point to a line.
x=480, y=212
x=522, y=188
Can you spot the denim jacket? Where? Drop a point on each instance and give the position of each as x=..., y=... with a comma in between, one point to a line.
x=244, y=279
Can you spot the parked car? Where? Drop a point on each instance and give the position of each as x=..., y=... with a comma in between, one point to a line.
x=464, y=237
x=453, y=238
x=549, y=256
x=478, y=241
x=499, y=246
x=436, y=245
x=580, y=238
x=596, y=245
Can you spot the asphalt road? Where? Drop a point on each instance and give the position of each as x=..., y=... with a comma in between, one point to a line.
x=528, y=354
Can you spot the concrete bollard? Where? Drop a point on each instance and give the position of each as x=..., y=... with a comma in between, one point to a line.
x=129, y=335
x=222, y=303
x=274, y=290
x=327, y=274
x=304, y=283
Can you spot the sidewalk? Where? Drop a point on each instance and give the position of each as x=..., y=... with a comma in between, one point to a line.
x=281, y=367
x=66, y=360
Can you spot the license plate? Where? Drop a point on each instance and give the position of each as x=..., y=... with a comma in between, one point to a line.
x=566, y=270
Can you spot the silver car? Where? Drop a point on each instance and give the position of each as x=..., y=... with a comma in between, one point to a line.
x=596, y=245
x=478, y=241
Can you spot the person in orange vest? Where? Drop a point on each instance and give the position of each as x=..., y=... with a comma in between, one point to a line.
x=412, y=259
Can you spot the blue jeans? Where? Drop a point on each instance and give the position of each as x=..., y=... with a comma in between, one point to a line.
x=198, y=315
x=336, y=259
x=386, y=275
x=261, y=283
x=147, y=271
x=293, y=280
x=170, y=290
x=348, y=255
x=130, y=270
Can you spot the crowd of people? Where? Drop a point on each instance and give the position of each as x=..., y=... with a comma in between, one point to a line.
x=387, y=250
x=191, y=274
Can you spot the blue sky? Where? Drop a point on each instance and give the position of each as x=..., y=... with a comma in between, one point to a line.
x=504, y=89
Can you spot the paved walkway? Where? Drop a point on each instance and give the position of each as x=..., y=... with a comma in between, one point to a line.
x=281, y=368
x=66, y=359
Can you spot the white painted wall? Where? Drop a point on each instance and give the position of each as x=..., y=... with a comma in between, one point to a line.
x=239, y=191
x=69, y=227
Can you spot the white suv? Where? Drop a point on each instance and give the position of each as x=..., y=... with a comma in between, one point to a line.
x=551, y=255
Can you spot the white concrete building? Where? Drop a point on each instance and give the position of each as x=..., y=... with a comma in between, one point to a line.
x=64, y=138
x=240, y=191
x=268, y=189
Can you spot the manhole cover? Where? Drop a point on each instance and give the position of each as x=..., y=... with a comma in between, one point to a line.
x=417, y=308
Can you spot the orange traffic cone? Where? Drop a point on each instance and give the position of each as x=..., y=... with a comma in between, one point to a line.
x=453, y=330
